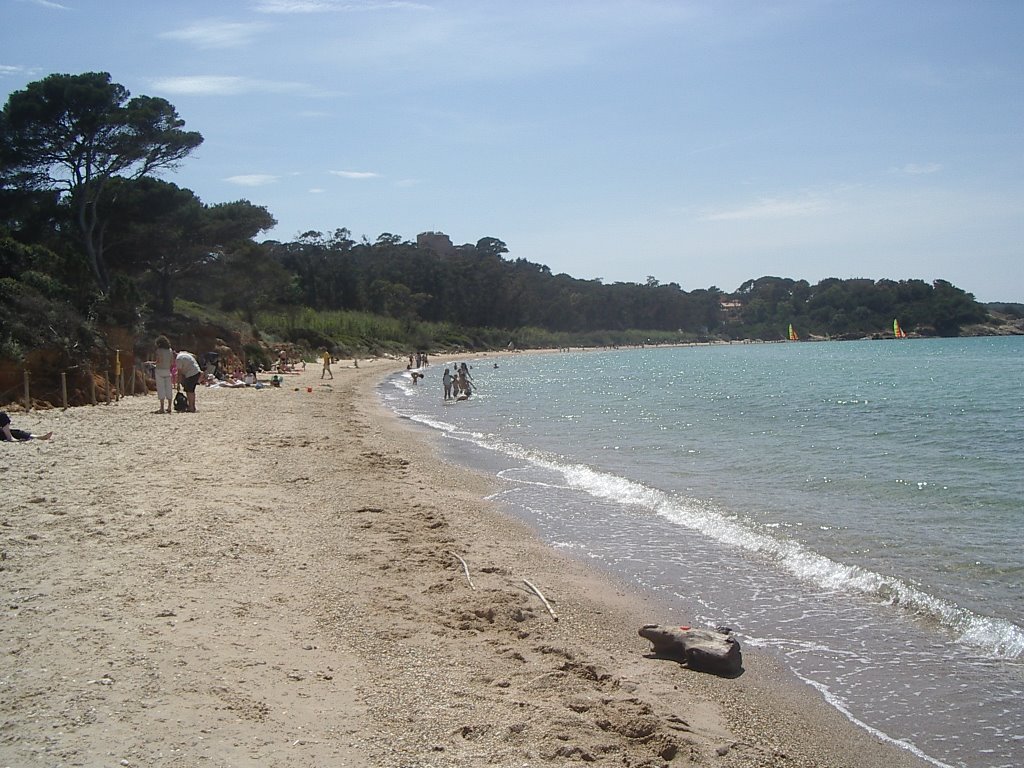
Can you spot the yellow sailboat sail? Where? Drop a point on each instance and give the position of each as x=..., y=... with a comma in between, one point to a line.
x=898, y=332
x=792, y=334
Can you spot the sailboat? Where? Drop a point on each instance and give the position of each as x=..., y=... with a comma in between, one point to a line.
x=792, y=334
x=898, y=332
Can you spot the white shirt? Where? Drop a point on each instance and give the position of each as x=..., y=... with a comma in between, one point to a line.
x=187, y=364
x=164, y=358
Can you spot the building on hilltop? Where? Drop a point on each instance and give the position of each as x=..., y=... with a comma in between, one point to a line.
x=438, y=242
x=731, y=308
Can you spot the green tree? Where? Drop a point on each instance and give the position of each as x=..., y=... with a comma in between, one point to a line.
x=162, y=233
x=246, y=279
x=952, y=307
x=76, y=133
x=490, y=246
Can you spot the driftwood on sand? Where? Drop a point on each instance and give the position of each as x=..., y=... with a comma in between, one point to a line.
x=707, y=650
x=542, y=599
x=465, y=569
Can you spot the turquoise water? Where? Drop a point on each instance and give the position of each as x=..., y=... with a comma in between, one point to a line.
x=855, y=508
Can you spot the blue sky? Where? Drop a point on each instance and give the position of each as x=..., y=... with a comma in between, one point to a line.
x=702, y=143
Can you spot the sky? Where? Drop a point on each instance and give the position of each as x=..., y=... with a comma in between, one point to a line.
x=701, y=143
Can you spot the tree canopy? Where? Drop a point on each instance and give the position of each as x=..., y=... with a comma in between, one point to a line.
x=74, y=134
x=475, y=286
x=852, y=308
x=160, y=233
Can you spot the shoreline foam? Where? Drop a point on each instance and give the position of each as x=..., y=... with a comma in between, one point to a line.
x=273, y=581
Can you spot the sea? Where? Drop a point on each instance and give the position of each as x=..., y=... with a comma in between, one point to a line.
x=855, y=509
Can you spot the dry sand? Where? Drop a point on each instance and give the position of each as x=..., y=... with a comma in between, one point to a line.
x=271, y=582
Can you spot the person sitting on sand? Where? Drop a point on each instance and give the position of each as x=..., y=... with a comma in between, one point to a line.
x=10, y=435
x=282, y=361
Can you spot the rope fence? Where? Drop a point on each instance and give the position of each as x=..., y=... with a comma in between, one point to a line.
x=94, y=387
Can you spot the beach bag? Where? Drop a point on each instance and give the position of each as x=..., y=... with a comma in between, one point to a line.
x=180, y=402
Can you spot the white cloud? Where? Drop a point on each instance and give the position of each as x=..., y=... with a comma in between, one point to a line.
x=326, y=6
x=766, y=209
x=935, y=76
x=202, y=84
x=223, y=85
x=50, y=4
x=355, y=174
x=923, y=75
x=915, y=169
x=294, y=6
x=316, y=190
x=253, y=179
x=216, y=34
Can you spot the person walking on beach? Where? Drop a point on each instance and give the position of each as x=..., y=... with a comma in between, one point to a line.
x=164, y=361
x=189, y=373
x=326, y=357
x=446, y=380
x=9, y=435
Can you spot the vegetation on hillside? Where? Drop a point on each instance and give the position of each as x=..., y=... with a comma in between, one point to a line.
x=97, y=252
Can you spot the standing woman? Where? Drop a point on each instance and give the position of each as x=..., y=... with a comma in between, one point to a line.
x=188, y=376
x=462, y=385
x=164, y=361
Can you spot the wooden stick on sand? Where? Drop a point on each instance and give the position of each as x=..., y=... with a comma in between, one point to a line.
x=464, y=568
x=542, y=599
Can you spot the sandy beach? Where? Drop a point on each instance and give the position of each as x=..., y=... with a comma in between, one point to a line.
x=275, y=581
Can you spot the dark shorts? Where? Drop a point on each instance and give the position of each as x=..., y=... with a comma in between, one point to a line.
x=190, y=382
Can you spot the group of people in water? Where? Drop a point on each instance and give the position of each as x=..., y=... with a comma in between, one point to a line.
x=457, y=385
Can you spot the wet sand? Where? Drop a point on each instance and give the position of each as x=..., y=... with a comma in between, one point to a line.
x=275, y=581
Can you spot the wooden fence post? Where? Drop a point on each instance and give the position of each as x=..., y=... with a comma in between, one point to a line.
x=106, y=376
x=64, y=388
x=28, y=397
